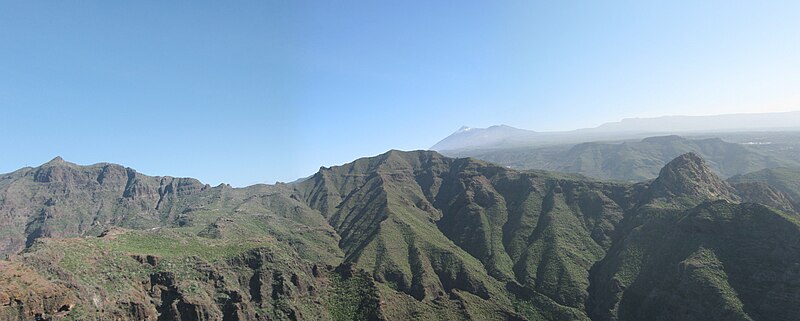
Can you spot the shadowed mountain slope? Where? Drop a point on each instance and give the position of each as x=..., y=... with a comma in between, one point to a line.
x=428, y=224
x=398, y=236
x=776, y=187
x=690, y=252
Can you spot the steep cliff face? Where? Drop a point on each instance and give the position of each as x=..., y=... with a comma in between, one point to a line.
x=263, y=283
x=61, y=199
x=24, y=294
x=403, y=235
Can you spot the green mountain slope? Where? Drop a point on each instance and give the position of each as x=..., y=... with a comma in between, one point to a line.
x=166, y=251
x=427, y=225
x=776, y=187
x=689, y=252
x=717, y=261
x=61, y=199
x=399, y=236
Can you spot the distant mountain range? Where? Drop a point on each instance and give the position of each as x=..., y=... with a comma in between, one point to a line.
x=501, y=135
x=498, y=137
x=401, y=236
x=733, y=144
x=638, y=160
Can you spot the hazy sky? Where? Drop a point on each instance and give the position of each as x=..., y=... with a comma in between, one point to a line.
x=270, y=90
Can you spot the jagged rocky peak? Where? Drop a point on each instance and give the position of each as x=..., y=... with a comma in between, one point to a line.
x=57, y=161
x=689, y=177
x=60, y=170
x=56, y=170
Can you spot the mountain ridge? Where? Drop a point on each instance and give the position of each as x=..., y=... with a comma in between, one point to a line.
x=639, y=160
x=395, y=236
x=628, y=128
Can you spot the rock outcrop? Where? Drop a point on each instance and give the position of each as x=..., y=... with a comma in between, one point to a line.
x=689, y=180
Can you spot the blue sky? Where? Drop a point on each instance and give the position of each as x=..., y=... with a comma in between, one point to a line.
x=270, y=90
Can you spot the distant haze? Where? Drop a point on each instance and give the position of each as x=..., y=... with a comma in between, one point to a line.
x=730, y=122
x=503, y=136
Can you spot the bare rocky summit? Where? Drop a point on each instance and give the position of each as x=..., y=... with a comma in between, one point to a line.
x=689, y=178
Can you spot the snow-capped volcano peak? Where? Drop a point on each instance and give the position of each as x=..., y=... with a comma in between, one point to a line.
x=468, y=137
x=464, y=129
